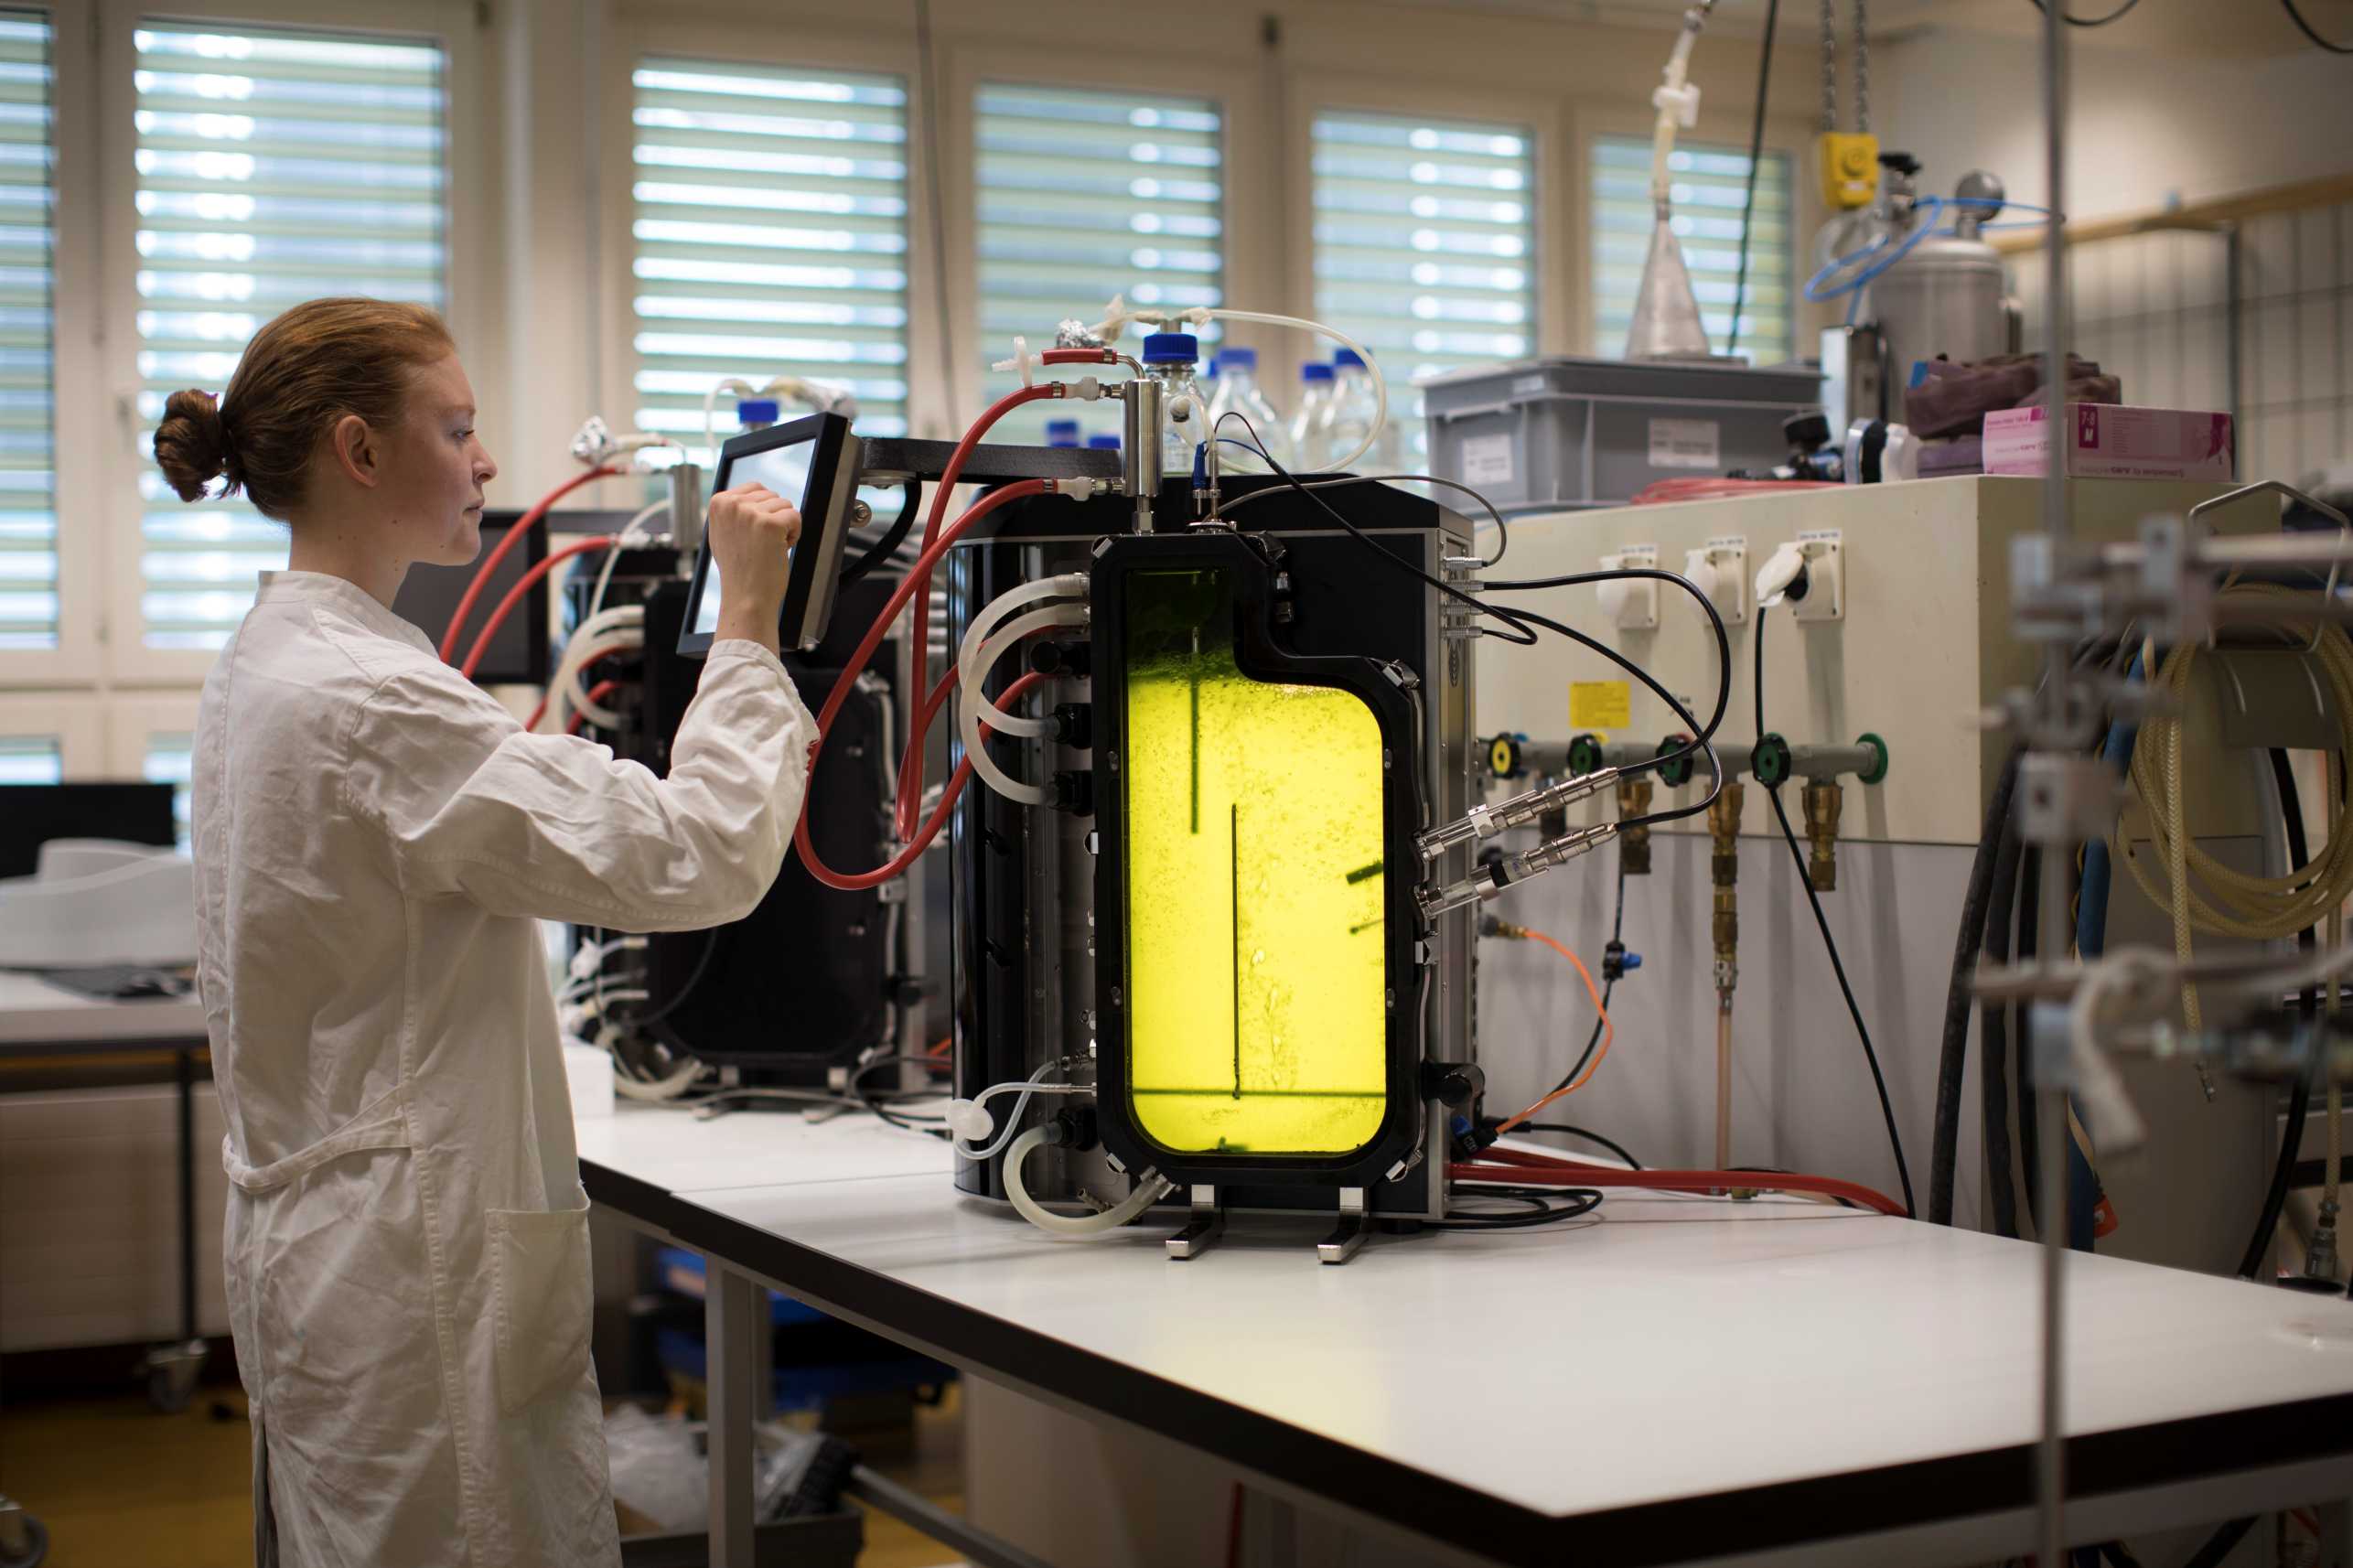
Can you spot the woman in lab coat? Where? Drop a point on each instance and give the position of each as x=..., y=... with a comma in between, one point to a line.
x=407, y=1239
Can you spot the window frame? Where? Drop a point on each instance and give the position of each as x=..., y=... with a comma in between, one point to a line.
x=1793, y=138
x=469, y=197
x=80, y=729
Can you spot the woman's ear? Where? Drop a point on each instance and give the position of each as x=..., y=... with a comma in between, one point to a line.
x=357, y=452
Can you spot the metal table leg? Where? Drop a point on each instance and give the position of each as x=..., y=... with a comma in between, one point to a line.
x=173, y=1369
x=732, y=1322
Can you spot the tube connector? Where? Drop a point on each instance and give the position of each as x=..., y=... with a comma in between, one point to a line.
x=1633, y=801
x=1823, y=803
x=1723, y=868
x=2320, y=1259
x=1486, y=821
x=1489, y=880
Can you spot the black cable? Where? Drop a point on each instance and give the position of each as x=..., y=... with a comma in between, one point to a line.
x=678, y=1000
x=1755, y=155
x=2275, y=1196
x=1526, y=622
x=2116, y=16
x=1556, y=1203
x=2305, y=28
x=1494, y=512
x=1994, y=1041
x=1612, y=1145
x=1968, y=943
x=1830, y=945
x=890, y=542
x=2030, y=1132
x=2220, y=1543
x=1608, y=987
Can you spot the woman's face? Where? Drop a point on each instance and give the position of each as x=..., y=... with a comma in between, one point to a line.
x=436, y=469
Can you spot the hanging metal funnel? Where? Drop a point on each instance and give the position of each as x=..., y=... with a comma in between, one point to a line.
x=1666, y=312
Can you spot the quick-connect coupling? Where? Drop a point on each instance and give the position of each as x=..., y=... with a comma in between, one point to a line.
x=1633, y=803
x=1489, y=880
x=1724, y=836
x=1486, y=821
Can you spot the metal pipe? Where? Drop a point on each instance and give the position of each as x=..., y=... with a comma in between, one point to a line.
x=2051, y=1471
x=1723, y=1081
x=1141, y=453
x=1486, y=821
x=970, y=1542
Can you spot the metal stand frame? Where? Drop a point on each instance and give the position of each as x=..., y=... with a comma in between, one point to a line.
x=1349, y=1234
x=1203, y=1231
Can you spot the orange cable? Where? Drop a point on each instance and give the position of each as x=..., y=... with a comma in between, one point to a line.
x=1608, y=1029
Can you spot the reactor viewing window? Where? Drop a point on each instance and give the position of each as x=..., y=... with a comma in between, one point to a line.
x=1255, y=859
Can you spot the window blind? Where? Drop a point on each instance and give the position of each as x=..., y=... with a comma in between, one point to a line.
x=1709, y=186
x=30, y=759
x=1081, y=195
x=28, y=555
x=770, y=235
x=274, y=167
x=1426, y=248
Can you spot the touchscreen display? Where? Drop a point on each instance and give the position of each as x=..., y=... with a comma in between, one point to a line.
x=781, y=469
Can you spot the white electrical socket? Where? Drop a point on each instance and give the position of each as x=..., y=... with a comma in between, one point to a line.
x=1825, y=553
x=1720, y=570
x=1631, y=604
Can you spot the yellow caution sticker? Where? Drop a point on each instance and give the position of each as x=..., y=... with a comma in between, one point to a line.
x=1600, y=704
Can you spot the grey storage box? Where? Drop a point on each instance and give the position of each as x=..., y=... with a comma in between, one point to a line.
x=1548, y=435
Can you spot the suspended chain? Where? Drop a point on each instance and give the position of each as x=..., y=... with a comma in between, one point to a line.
x=1861, y=70
x=1830, y=67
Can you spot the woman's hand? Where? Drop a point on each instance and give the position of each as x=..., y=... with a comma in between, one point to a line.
x=752, y=531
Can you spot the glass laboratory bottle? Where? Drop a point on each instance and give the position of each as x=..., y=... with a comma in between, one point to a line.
x=1168, y=358
x=1306, y=426
x=1239, y=392
x=1350, y=416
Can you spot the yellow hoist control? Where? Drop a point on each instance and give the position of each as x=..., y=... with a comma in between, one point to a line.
x=1849, y=168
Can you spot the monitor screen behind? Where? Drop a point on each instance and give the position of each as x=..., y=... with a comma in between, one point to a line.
x=32, y=814
x=518, y=651
x=784, y=471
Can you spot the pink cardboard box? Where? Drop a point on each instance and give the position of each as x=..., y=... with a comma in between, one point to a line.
x=2110, y=442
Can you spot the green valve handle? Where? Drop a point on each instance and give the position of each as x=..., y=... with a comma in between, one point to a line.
x=1877, y=771
x=1585, y=755
x=1769, y=762
x=1678, y=773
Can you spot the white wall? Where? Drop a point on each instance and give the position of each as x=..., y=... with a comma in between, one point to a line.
x=2146, y=128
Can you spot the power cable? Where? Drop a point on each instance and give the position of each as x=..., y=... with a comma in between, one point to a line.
x=2305, y=28
x=1564, y=1130
x=1829, y=943
x=2118, y=14
x=1756, y=155
x=1549, y=1205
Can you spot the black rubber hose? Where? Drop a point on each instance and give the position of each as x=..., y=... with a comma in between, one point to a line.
x=1970, y=941
x=2030, y=1132
x=2275, y=1199
x=1993, y=1043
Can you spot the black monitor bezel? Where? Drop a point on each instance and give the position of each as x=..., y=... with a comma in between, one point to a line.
x=816, y=560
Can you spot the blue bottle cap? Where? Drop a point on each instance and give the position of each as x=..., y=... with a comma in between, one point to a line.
x=1314, y=370
x=757, y=411
x=1171, y=349
x=1102, y=443
x=1240, y=359
x=1061, y=433
x=1345, y=358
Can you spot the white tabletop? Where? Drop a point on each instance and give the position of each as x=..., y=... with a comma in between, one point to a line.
x=1702, y=1347
x=34, y=1012
x=675, y=1150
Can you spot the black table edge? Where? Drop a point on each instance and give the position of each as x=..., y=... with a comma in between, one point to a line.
x=1755, y=1519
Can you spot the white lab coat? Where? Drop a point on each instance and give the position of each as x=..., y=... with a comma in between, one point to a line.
x=407, y=1237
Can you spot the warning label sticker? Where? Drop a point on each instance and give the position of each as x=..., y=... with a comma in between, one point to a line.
x=1600, y=704
x=1685, y=444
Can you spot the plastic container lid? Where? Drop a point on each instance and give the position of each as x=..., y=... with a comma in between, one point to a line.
x=1240, y=359
x=1102, y=443
x=1345, y=358
x=1061, y=433
x=1314, y=370
x=757, y=411
x=1171, y=349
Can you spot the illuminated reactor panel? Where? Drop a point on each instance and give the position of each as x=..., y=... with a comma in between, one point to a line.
x=1256, y=1022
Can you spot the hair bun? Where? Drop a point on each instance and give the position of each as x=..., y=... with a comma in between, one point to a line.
x=192, y=444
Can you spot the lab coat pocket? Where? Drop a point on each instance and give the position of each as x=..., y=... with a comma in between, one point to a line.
x=541, y=1298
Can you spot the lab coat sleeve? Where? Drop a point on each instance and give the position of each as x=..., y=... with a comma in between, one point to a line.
x=556, y=827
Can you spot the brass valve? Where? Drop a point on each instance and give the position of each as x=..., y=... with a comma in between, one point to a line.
x=1633, y=844
x=1823, y=803
x=1724, y=832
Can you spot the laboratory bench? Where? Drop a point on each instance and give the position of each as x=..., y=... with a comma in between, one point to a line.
x=1679, y=1379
